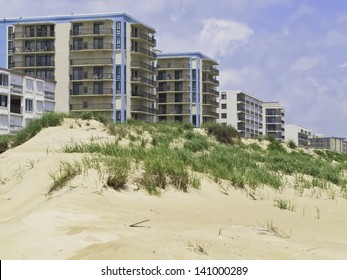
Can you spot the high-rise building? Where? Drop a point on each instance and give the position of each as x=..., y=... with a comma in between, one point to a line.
x=187, y=88
x=273, y=120
x=22, y=99
x=101, y=62
x=242, y=111
x=335, y=144
x=297, y=134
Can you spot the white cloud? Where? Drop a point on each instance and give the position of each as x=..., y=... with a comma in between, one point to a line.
x=233, y=78
x=343, y=65
x=218, y=34
x=306, y=63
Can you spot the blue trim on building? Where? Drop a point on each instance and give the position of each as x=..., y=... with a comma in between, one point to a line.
x=3, y=46
x=122, y=70
x=185, y=54
x=197, y=91
x=191, y=91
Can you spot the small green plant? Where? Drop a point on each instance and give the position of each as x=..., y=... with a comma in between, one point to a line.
x=225, y=134
x=284, y=204
x=291, y=144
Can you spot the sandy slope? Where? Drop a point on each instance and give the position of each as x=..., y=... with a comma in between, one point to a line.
x=87, y=221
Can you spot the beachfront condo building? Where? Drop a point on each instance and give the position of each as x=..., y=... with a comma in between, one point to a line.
x=242, y=111
x=299, y=135
x=335, y=144
x=273, y=120
x=101, y=62
x=187, y=88
x=22, y=99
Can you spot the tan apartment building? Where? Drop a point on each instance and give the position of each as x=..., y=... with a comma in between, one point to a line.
x=242, y=111
x=187, y=88
x=273, y=120
x=335, y=144
x=101, y=62
x=22, y=99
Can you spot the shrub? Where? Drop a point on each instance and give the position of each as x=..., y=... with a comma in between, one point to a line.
x=291, y=144
x=284, y=204
x=225, y=134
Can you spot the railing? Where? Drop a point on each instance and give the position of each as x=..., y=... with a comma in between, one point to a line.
x=34, y=64
x=169, y=77
x=35, y=34
x=212, y=91
x=211, y=102
x=174, y=100
x=140, y=64
x=174, y=112
x=144, y=51
x=91, y=31
x=92, y=46
x=210, y=68
x=16, y=89
x=16, y=109
x=105, y=91
x=144, y=94
x=140, y=108
x=173, y=65
x=90, y=76
x=94, y=61
x=171, y=88
x=141, y=79
x=35, y=50
x=211, y=80
x=144, y=37
x=211, y=113
x=92, y=106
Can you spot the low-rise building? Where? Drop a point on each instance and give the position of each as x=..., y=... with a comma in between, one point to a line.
x=299, y=135
x=242, y=111
x=273, y=120
x=335, y=144
x=22, y=99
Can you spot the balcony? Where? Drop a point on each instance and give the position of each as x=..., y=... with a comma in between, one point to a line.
x=91, y=106
x=211, y=92
x=211, y=102
x=27, y=50
x=143, y=109
x=49, y=95
x=92, y=62
x=92, y=47
x=16, y=89
x=142, y=36
x=173, y=78
x=142, y=65
x=210, y=114
x=91, y=32
x=173, y=100
x=169, y=65
x=165, y=111
x=210, y=68
x=27, y=64
x=137, y=93
x=211, y=80
x=86, y=91
x=91, y=76
x=141, y=50
x=33, y=34
x=143, y=80
x=169, y=88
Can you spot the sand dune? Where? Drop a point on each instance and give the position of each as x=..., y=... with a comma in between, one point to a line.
x=84, y=220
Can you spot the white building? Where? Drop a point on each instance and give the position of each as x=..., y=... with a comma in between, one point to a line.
x=273, y=120
x=299, y=135
x=22, y=99
x=242, y=111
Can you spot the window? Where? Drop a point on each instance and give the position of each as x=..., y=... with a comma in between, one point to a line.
x=10, y=47
x=3, y=121
x=178, y=86
x=224, y=106
x=77, y=44
x=98, y=43
x=118, y=42
x=39, y=86
x=224, y=115
x=98, y=88
x=118, y=87
x=39, y=106
x=29, y=84
x=98, y=27
x=3, y=80
x=29, y=60
x=77, y=88
x=77, y=29
x=118, y=75
x=77, y=74
x=98, y=72
x=223, y=96
x=3, y=101
x=118, y=27
x=28, y=105
x=194, y=74
x=10, y=33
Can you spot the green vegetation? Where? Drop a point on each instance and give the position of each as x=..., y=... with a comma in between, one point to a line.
x=284, y=204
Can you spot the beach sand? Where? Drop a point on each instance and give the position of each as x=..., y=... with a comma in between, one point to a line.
x=85, y=220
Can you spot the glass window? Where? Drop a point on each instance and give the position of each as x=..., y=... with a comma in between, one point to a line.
x=224, y=106
x=28, y=105
x=3, y=100
x=224, y=115
x=223, y=96
x=39, y=86
x=3, y=80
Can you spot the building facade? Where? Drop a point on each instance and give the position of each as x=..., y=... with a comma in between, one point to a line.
x=22, y=99
x=273, y=120
x=101, y=62
x=299, y=135
x=187, y=88
x=335, y=144
x=242, y=111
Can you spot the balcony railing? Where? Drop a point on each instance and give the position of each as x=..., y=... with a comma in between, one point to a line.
x=92, y=46
x=137, y=93
x=34, y=64
x=144, y=109
x=91, y=106
x=211, y=91
x=170, y=65
x=34, y=34
x=211, y=69
x=140, y=64
x=140, y=79
x=91, y=31
x=143, y=36
x=211, y=80
x=49, y=95
x=164, y=111
x=144, y=51
x=211, y=113
x=94, y=61
x=16, y=89
x=105, y=91
x=169, y=77
x=33, y=50
x=173, y=100
x=91, y=76
x=211, y=102
x=16, y=109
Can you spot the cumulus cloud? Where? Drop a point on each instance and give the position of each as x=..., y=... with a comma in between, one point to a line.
x=218, y=34
x=306, y=63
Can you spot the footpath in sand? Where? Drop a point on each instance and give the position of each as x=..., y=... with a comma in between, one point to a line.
x=84, y=220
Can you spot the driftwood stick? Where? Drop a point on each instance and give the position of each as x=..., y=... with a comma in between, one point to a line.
x=137, y=224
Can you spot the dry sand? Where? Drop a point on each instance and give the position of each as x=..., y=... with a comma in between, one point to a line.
x=87, y=221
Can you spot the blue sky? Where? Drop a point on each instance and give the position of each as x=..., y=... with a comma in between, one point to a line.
x=290, y=51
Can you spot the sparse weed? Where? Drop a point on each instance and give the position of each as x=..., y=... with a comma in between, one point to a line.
x=284, y=204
